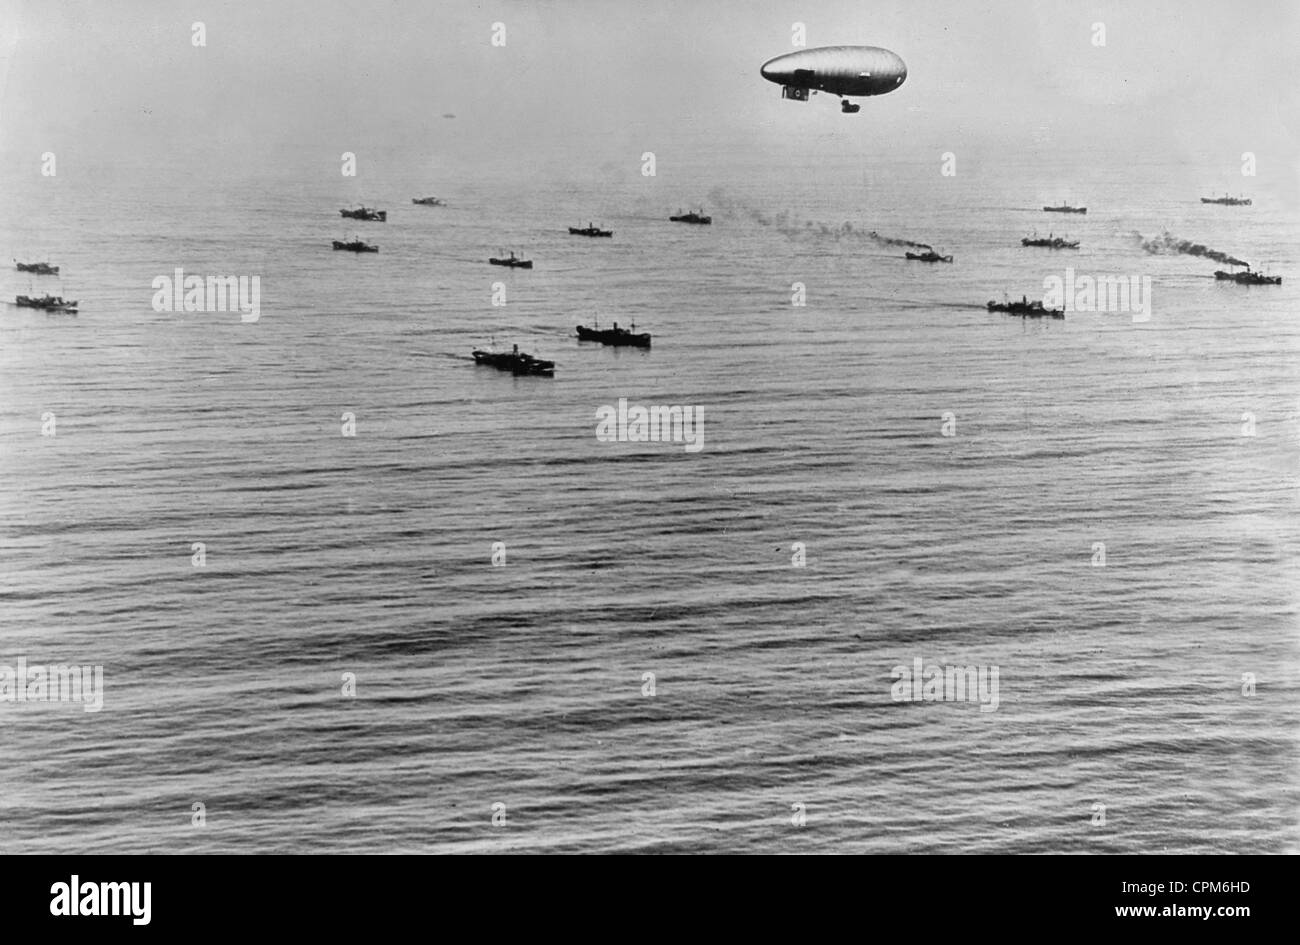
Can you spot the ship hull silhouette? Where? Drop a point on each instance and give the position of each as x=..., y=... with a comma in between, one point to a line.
x=618, y=337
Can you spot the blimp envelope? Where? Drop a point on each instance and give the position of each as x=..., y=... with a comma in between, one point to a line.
x=839, y=70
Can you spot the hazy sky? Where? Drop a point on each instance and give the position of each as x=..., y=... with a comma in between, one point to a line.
x=585, y=85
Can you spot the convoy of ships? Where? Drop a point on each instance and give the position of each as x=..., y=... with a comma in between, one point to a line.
x=1028, y=308
x=520, y=363
x=46, y=302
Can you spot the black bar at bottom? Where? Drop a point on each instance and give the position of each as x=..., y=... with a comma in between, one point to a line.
x=378, y=895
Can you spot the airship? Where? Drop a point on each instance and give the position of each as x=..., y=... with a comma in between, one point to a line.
x=839, y=70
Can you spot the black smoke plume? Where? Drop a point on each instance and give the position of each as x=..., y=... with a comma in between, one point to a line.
x=794, y=227
x=1167, y=243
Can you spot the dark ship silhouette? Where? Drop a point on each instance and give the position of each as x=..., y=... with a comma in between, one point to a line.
x=515, y=361
x=49, y=303
x=619, y=337
x=513, y=261
x=1049, y=242
x=691, y=217
x=589, y=230
x=355, y=246
x=366, y=213
x=1247, y=278
x=1026, y=308
x=37, y=268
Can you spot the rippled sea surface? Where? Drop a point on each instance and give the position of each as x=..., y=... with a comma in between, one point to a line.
x=524, y=684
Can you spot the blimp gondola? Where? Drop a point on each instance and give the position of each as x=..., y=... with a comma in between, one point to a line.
x=839, y=70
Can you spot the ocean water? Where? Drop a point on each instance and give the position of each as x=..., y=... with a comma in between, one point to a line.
x=524, y=684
